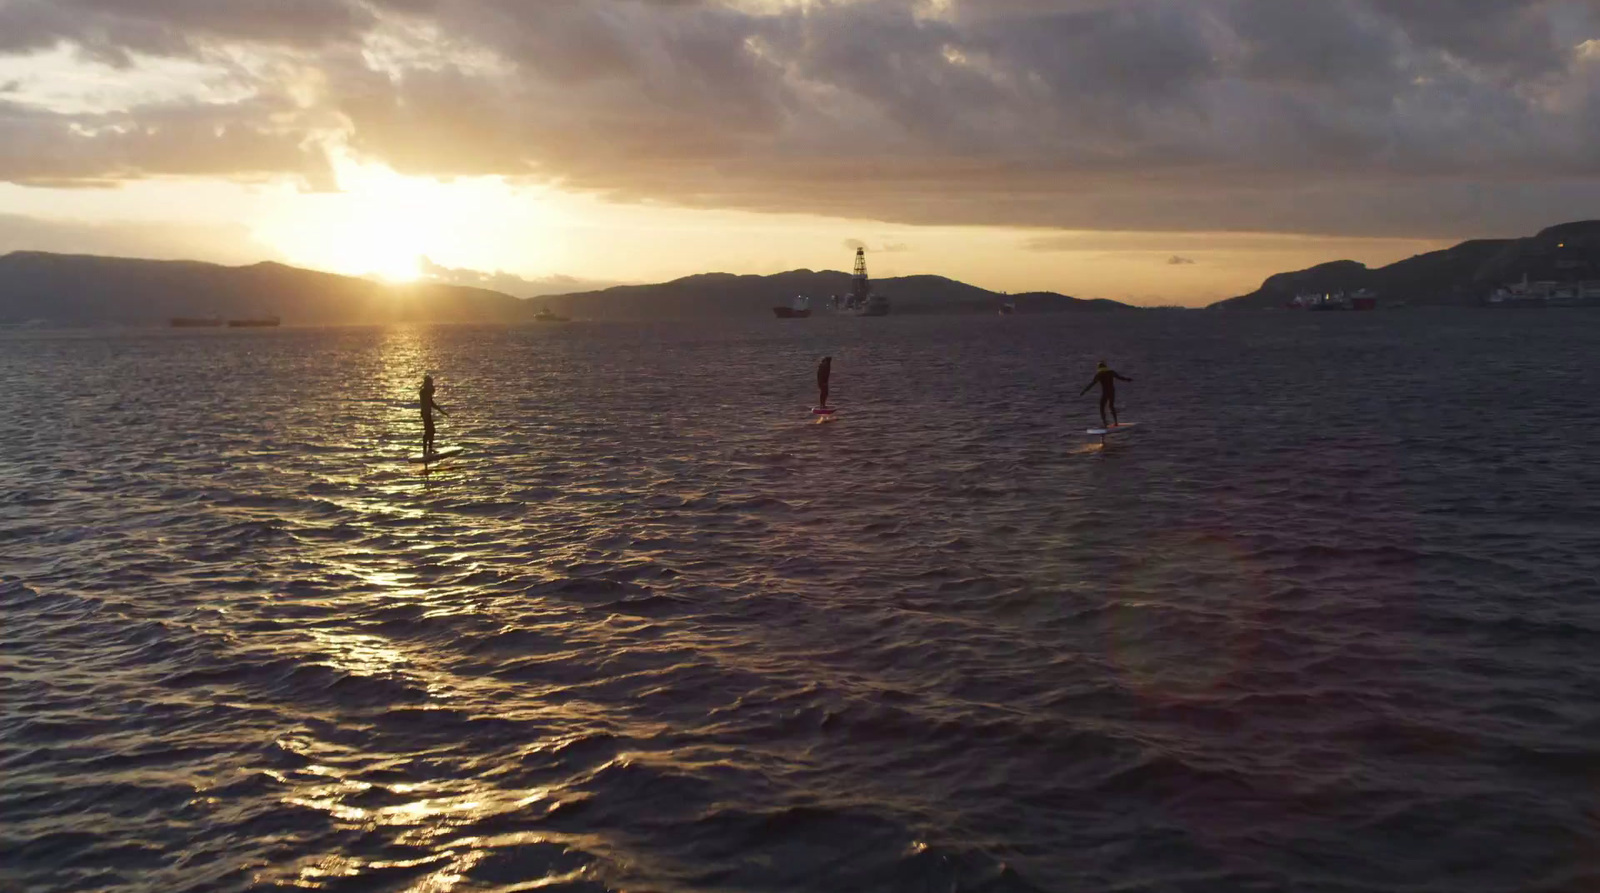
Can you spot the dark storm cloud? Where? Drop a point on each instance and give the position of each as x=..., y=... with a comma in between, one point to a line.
x=1426, y=117
x=1511, y=39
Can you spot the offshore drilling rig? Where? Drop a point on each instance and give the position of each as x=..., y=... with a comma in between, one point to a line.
x=862, y=301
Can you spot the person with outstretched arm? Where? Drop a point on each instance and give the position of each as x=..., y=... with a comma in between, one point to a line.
x=824, y=372
x=428, y=409
x=1107, y=379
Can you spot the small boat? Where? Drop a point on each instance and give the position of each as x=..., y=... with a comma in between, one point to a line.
x=267, y=322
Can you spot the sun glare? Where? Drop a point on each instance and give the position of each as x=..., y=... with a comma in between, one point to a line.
x=389, y=223
x=387, y=251
x=382, y=223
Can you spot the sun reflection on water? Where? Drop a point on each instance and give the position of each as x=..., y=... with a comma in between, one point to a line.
x=438, y=816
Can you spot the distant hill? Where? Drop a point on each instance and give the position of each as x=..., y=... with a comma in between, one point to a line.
x=1463, y=275
x=81, y=290
x=87, y=291
x=724, y=294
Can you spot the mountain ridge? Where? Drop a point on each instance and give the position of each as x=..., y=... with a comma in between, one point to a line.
x=82, y=289
x=89, y=290
x=749, y=294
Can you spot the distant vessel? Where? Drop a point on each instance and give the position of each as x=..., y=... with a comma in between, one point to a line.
x=546, y=315
x=188, y=322
x=801, y=309
x=1008, y=308
x=1545, y=294
x=1519, y=295
x=1361, y=299
x=267, y=322
x=862, y=300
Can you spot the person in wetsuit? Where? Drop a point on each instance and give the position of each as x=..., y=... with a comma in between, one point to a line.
x=824, y=371
x=428, y=408
x=1107, y=380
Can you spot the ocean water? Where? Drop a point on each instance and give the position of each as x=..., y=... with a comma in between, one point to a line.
x=1329, y=620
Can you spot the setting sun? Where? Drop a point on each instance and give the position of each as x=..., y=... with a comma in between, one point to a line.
x=381, y=223
x=383, y=250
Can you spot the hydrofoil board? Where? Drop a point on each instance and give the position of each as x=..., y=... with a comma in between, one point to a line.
x=430, y=458
x=1114, y=429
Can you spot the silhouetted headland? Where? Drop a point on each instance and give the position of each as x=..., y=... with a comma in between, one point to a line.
x=1465, y=275
x=78, y=290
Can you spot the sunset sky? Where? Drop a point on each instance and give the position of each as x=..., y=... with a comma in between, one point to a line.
x=1159, y=151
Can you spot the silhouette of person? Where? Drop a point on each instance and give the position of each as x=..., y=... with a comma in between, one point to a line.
x=1107, y=380
x=428, y=408
x=824, y=371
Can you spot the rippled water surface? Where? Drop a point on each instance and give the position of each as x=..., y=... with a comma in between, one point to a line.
x=1329, y=621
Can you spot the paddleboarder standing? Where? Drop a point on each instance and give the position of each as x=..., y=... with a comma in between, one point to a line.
x=428, y=409
x=824, y=371
x=1107, y=379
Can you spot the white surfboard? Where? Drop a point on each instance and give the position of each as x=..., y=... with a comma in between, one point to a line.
x=430, y=458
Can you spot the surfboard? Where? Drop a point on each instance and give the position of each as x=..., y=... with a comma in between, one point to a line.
x=824, y=410
x=429, y=458
x=1114, y=429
